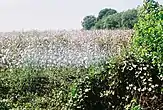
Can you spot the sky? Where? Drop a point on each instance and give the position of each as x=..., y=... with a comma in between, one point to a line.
x=54, y=14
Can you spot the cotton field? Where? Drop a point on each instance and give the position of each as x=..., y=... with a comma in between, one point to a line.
x=60, y=48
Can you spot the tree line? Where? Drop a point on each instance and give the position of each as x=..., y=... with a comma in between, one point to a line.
x=111, y=19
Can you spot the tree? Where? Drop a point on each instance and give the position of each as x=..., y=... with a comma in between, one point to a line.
x=113, y=21
x=129, y=18
x=105, y=12
x=89, y=22
x=126, y=19
x=100, y=24
x=110, y=19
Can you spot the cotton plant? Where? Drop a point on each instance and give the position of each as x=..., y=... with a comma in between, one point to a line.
x=60, y=47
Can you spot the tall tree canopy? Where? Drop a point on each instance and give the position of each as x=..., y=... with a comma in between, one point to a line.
x=113, y=21
x=89, y=22
x=105, y=12
x=129, y=18
x=110, y=19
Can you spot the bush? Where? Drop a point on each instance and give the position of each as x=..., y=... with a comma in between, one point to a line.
x=37, y=88
x=116, y=85
x=148, y=38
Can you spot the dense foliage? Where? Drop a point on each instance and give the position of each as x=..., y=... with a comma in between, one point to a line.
x=119, y=83
x=148, y=41
x=129, y=18
x=105, y=12
x=37, y=88
x=89, y=22
x=110, y=19
x=113, y=22
x=132, y=80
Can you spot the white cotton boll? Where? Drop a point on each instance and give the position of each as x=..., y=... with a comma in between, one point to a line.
x=144, y=68
x=37, y=44
x=150, y=79
x=152, y=86
x=143, y=90
x=130, y=85
x=141, y=77
x=156, y=85
x=139, y=89
x=3, y=60
x=150, y=89
x=134, y=66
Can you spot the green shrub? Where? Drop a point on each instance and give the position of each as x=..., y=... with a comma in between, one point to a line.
x=37, y=88
x=122, y=20
x=148, y=38
x=116, y=85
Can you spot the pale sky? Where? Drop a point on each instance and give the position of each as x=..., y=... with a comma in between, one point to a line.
x=54, y=14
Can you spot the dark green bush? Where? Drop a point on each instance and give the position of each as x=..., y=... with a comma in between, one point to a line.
x=115, y=86
x=126, y=20
x=3, y=105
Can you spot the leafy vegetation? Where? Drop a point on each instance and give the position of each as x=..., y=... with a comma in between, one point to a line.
x=110, y=19
x=129, y=18
x=117, y=84
x=105, y=12
x=37, y=88
x=148, y=39
x=30, y=82
x=131, y=80
x=89, y=22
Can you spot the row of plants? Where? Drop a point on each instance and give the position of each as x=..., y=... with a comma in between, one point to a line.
x=60, y=48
